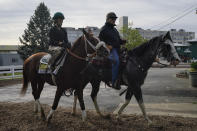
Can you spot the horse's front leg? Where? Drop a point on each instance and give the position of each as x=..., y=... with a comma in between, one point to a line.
x=95, y=90
x=81, y=102
x=58, y=95
x=139, y=98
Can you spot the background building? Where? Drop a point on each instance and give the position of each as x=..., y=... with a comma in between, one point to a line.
x=180, y=36
x=74, y=34
x=9, y=56
x=123, y=22
x=193, y=48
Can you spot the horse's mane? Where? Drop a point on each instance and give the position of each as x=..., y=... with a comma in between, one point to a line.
x=139, y=50
x=75, y=43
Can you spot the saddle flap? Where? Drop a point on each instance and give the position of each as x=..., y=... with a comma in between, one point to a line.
x=45, y=59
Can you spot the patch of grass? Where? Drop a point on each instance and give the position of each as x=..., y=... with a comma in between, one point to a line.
x=9, y=74
x=194, y=102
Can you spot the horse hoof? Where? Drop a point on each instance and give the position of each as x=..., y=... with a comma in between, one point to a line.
x=118, y=118
x=73, y=113
x=108, y=116
x=43, y=116
x=150, y=122
x=49, y=120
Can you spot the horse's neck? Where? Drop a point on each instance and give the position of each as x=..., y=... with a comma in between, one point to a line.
x=149, y=55
x=79, y=50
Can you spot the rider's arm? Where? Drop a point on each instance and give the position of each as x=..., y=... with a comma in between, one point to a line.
x=52, y=40
x=66, y=43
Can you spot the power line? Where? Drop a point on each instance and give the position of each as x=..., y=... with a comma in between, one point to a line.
x=178, y=18
x=173, y=17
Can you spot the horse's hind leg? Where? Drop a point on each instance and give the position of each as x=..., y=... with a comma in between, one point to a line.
x=139, y=98
x=39, y=90
x=34, y=93
x=74, y=104
x=128, y=97
x=58, y=95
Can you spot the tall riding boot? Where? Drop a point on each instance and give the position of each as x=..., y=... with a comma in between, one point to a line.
x=116, y=84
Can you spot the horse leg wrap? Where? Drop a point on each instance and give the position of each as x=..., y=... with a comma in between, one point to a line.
x=142, y=107
x=123, y=107
x=50, y=115
x=74, y=105
x=83, y=115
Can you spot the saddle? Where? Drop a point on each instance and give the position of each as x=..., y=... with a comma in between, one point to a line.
x=101, y=67
x=44, y=66
x=104, y=62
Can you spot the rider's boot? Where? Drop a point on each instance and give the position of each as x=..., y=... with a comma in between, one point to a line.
x=116, y=84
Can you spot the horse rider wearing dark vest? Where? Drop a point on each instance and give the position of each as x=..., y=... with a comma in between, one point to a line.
x=111, y=37
x=58, y=39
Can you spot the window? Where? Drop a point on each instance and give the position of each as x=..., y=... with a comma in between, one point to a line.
x=14, y=60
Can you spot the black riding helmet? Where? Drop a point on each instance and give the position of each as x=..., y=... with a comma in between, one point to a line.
x=58, y=15
x=111, y=15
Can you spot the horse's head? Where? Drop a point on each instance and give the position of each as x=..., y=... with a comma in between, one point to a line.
x=93, y=44
x=167, y=49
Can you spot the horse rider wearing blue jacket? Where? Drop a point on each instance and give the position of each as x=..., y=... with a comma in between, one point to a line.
x=58, y=39
x=111, y=37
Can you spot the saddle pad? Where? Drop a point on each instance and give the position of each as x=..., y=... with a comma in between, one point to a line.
x=43, y=67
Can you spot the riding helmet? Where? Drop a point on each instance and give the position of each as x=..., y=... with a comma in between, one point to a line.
x=58, y=15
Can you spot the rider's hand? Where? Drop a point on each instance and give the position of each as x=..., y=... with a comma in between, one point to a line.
x=156, y=59
x=109, y=47
x=124, y=41
x=60, y=43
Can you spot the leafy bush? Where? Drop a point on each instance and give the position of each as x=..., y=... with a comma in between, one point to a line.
x=194, y=66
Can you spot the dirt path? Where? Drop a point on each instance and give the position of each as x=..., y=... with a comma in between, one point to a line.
x=20, y=117
x=10, y=82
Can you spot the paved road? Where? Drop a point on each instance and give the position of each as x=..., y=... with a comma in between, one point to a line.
x=163, y=94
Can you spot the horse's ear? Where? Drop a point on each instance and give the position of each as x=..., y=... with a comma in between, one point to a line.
x=85, y=32
x=167, y=36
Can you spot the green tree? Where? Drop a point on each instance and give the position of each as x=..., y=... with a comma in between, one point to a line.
x=132, y=36
x=35, y=38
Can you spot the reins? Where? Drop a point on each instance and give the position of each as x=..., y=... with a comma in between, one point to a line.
x=164, y=65
x=88, y=55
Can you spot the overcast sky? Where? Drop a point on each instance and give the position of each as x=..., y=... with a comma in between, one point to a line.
x=15, y=14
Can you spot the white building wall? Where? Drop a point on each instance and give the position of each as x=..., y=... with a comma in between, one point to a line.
x=74, y=34
x=180, y=36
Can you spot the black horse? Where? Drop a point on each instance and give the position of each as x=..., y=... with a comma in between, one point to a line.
x=140, y=59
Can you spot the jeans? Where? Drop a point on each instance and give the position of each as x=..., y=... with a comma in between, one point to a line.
x=115, y=64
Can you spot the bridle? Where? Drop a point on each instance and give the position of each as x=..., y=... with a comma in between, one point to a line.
x=88, y=56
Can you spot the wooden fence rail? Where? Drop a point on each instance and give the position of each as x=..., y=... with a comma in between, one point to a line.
x=7, y=72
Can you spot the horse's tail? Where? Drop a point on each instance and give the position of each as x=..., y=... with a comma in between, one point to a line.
x=25, y=80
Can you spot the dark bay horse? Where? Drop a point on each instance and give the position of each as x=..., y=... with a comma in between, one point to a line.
x=140, y=60
x=67, y=78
